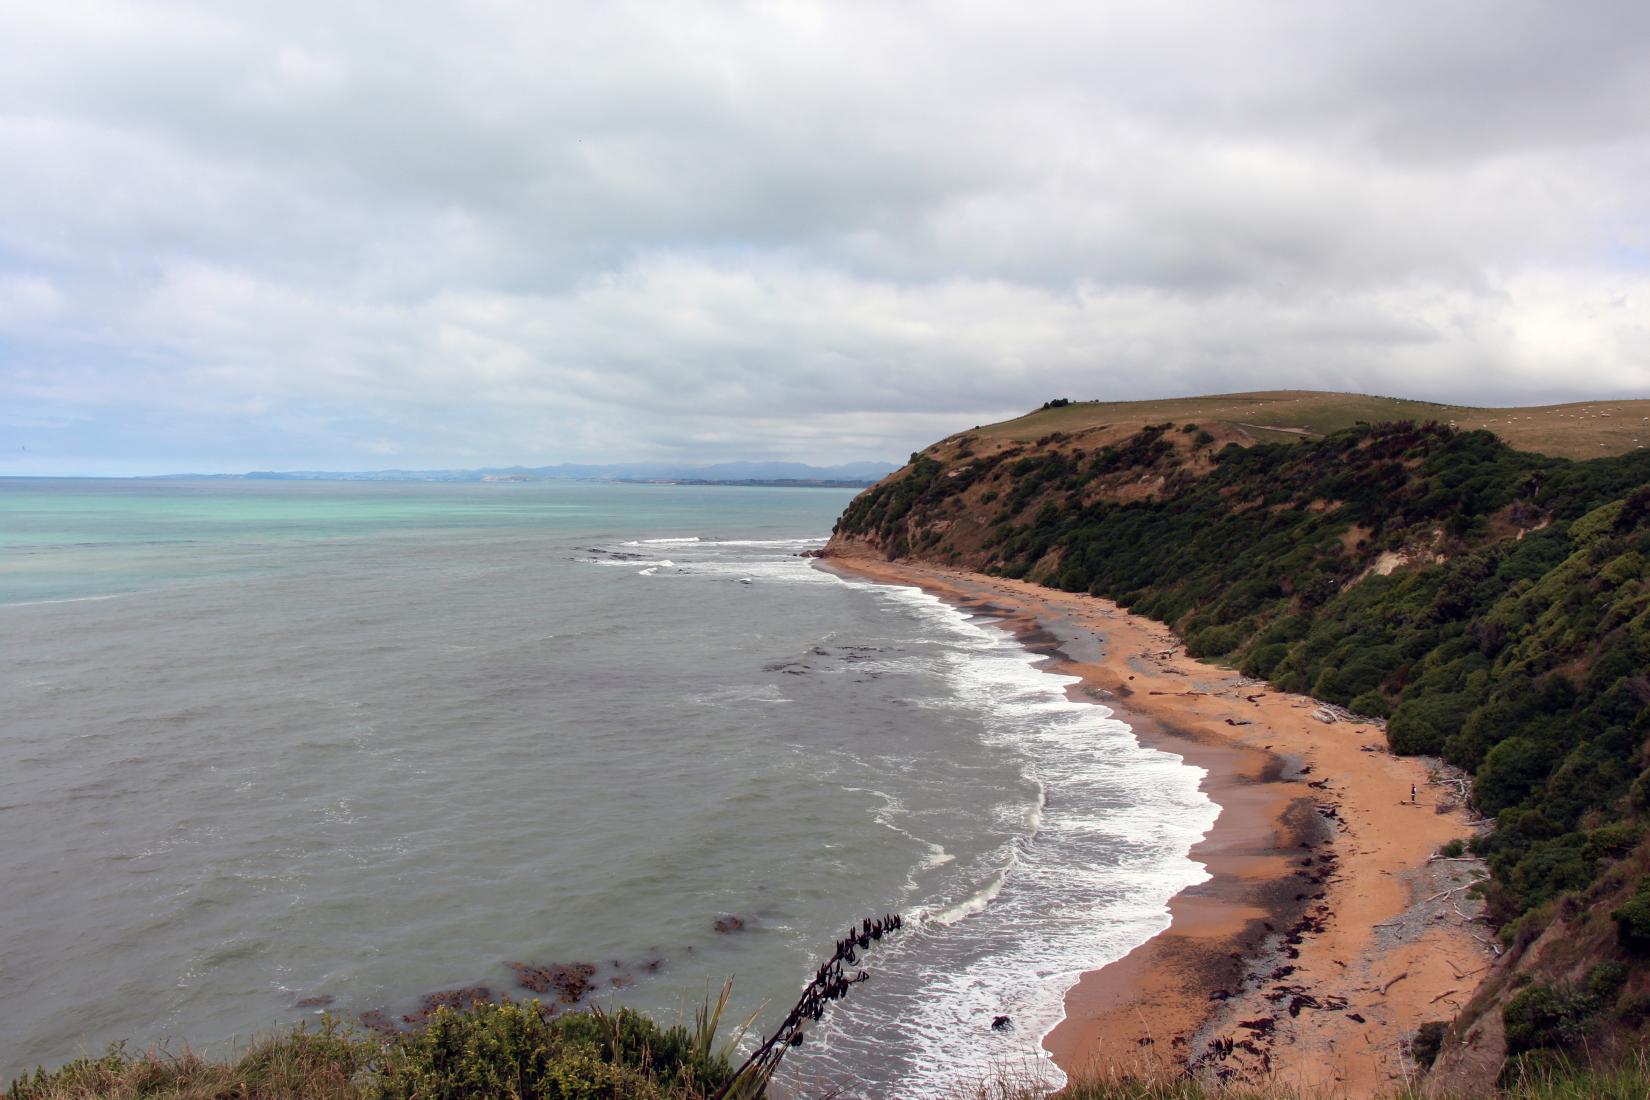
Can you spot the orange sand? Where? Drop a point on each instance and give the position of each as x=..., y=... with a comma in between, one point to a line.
x=1366, y=924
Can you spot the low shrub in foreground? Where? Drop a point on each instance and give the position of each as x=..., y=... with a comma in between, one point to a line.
x=511, y=1050
x=323, y=1065
x=495, y=1050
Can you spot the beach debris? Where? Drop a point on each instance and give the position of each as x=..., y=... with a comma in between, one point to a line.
x=1239, y=722
x=725, y=924
x=1394, y=982
x=1324, y=715
x=1001, y=1023
x=830, y=983
x=570, y=981
x=1263, y=1025
x=1354, y=1017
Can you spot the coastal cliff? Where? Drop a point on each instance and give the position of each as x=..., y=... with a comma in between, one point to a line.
x=1491, y=605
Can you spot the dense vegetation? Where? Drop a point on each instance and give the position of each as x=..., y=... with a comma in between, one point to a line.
x=1510, y=634
x=492, y=1050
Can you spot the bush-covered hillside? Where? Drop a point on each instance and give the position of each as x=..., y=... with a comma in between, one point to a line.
x=1494, y=604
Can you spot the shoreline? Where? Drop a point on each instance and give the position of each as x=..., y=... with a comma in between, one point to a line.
x=1323, y=936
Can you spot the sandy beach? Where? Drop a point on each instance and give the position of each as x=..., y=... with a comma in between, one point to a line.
x=1324, y=935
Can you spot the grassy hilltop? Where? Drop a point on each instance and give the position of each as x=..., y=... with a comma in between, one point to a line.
x=1491, y=600
x=1585, y=429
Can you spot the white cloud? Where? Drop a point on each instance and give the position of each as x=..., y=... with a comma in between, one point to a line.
x=521, y=232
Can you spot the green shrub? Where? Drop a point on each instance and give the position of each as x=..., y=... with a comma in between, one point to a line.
x=1606, y=980
x=1428, y=1041
x=1633, y=920
x=512, y=1050
x=1546, y=1016
x=1214, y=641
x=1372, y=704
x=1263, y=660
x=1453, y=850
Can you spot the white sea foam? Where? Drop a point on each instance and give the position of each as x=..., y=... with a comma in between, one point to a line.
x=768, y=542
x=1086, y=879
x=969, y=905
x=68, y=599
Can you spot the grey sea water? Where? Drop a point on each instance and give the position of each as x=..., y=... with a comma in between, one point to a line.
x=268, y=741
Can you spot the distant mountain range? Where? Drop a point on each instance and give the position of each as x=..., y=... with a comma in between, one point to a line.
x=847, y=474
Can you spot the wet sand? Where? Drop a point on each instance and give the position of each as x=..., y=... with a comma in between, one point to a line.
x=1323, y=936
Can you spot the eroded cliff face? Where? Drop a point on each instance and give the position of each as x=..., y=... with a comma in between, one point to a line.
x=950, y=501
x=1566, y=984
x=1493, y=604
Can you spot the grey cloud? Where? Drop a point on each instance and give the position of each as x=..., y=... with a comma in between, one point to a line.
x=817, y=231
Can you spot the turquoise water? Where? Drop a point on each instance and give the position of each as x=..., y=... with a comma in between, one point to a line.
x=270, y=742
x=69, y=539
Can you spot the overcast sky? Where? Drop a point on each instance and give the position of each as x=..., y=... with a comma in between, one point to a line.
x=361, y=235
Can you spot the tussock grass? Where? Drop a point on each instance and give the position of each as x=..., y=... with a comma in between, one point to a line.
x=320, y=1065
x=1545, y=1080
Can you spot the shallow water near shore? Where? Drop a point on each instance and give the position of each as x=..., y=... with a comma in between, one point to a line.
x=270, y=741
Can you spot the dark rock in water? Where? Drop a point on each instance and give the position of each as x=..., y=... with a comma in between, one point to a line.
x=728, y=924
x=1001, y=1023
x=380, y=1021
x=320, y=1001
x=459, y=1000
x=653, y=966
x=569, y=981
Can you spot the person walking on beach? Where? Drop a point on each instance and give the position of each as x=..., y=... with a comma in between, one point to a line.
x=1412, y=792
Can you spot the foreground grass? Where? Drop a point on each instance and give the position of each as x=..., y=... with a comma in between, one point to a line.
x=1553, y=1080
x=493, y=1050
x=323, y=1066
x=494, y=1054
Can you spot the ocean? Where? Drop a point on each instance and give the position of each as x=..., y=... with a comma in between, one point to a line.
x=264, y=742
